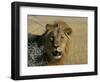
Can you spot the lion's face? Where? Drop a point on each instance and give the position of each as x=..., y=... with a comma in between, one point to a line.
x=56, y=41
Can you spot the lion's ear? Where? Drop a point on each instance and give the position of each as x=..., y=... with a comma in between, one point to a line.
x=48, y=26
x=68, y=30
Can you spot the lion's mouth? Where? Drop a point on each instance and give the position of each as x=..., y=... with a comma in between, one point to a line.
x=57, y=55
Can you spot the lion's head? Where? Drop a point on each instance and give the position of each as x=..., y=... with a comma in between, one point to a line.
x=56, y=41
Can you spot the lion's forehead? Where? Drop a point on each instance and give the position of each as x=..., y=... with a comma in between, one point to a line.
x=57, y=31
x=61, y=26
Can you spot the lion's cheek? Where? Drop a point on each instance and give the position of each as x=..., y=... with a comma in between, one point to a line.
x=62, y=47
x=65, y=49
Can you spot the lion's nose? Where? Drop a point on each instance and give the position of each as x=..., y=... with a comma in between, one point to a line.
x=58, y=49
x=56, y=46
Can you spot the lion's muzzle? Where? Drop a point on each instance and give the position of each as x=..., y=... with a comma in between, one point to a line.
x=57, y=53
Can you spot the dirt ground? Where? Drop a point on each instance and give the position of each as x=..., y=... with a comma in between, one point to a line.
x=78, y=48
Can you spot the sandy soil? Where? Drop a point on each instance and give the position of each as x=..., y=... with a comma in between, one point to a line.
x=78, y=48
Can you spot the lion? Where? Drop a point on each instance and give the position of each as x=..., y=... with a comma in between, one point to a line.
x=53, y=45
x=56, y=41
